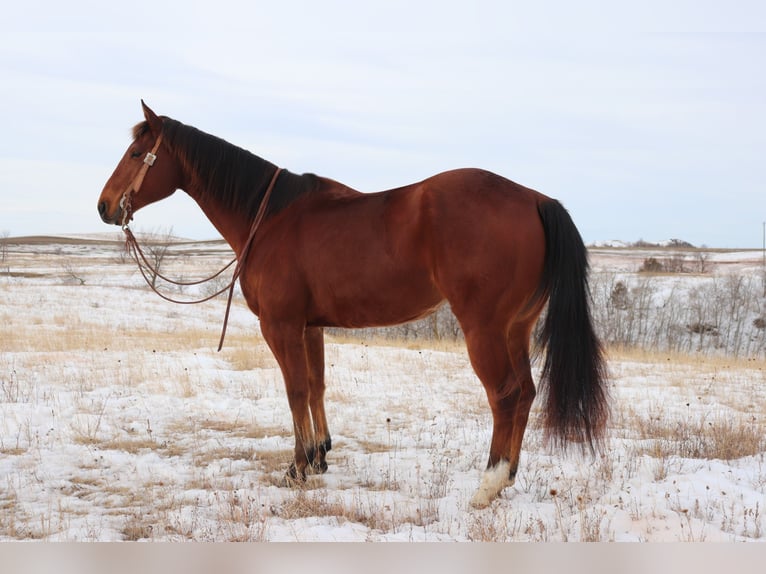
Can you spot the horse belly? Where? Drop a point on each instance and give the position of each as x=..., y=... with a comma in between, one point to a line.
x=375, y=298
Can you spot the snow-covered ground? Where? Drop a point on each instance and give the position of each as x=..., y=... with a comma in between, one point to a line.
x=120, y=421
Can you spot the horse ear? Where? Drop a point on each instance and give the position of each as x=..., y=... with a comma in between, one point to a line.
x=155, y=123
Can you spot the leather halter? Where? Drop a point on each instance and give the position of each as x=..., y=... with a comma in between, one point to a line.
x=135, y=185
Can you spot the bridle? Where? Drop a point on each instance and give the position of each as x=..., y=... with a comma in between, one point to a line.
x=135, y=185
x=132, y=246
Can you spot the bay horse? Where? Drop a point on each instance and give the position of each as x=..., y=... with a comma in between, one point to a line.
x=325, y=255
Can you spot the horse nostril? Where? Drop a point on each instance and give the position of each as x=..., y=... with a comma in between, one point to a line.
x=102, y=208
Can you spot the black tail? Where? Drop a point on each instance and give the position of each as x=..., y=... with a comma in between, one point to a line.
x=574, y=377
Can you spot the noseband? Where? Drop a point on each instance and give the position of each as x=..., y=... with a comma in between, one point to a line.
x=135, y=185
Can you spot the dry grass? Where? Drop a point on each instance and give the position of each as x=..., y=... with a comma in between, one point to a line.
x=713, y=408
x=65, y=334
x=242, y=517
x=654, y=357
x=371, y=446
x=347, y=337
x=137, y=527
x=273, y=464
x=306, y=503
x=714, y=437
x=248, y=354
x=356, y=509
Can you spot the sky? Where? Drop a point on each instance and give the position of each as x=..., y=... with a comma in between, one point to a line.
x=647, y=120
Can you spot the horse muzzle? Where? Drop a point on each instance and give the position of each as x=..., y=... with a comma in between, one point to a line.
x=112, y=219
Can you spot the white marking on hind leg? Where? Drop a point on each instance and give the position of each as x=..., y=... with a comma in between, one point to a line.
x=493, y=481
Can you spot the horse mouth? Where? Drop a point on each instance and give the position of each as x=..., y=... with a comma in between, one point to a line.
x=113, y=219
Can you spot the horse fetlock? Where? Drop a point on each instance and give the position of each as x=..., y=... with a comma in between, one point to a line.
x=494, y=480
x=317, y=461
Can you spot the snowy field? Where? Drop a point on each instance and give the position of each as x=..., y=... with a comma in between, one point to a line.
x=120, y=421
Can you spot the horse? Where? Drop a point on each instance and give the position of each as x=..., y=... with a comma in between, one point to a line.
x=325, y=255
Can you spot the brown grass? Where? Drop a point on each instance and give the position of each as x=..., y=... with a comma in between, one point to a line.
x=446, y=345
x=66, y=334
x=371, y=446
x=654, y=357
x=305, y=504
x=722, y=437
x=129, y=445
x=248, y=354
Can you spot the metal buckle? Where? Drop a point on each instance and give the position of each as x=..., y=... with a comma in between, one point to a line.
x=125, y=207
x=150, y=159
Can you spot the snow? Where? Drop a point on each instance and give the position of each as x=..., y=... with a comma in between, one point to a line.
x=119, y=421
x=617, y=243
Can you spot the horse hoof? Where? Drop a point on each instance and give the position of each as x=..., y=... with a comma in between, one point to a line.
x=493, y=482
x=481, y=499
x=293, y=477
x=319, y=467
x=288, y=482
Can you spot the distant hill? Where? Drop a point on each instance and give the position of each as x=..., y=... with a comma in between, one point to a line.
x=643, y=244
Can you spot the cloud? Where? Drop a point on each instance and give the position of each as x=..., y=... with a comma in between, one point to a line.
x=611, y=108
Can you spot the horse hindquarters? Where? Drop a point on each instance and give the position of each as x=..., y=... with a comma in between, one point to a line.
x=573, y=377
x=489, y=252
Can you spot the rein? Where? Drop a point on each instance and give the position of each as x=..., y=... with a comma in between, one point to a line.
x=132, y=246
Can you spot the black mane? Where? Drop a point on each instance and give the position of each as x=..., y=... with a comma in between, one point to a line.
x=229, y=173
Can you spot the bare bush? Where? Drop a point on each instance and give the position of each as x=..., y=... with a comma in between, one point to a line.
x=651, y=265
x=73, y=275
x=723, y=314
x=442, y=325
x=157, y=248
x=699, y=262
x=718, y=315
x=702, y=262
x=4, y=244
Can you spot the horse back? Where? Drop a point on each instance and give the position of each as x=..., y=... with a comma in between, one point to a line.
x=350, y=259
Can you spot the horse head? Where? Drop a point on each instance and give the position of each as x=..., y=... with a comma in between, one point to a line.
x=146, y=173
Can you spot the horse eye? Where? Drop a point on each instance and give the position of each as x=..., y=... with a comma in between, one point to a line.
x=135, y=154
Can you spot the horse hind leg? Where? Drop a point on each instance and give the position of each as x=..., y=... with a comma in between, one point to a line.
x=501, y=363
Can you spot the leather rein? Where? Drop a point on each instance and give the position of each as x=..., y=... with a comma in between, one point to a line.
x=132, y=246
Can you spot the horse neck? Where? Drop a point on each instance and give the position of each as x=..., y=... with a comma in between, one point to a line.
x=234, y=227
x=233, y=223
x=226, y=181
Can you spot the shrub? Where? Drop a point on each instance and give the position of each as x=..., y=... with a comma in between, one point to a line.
x=651, y=265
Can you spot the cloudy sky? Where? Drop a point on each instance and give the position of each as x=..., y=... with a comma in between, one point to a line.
x=646, y=119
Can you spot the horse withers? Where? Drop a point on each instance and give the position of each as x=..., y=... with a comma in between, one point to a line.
x=325, y=255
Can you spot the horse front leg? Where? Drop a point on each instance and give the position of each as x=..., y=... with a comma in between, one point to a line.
x=288, y=344
x=315, y=358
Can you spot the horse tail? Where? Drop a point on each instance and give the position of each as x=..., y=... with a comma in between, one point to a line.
x=574, y=376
